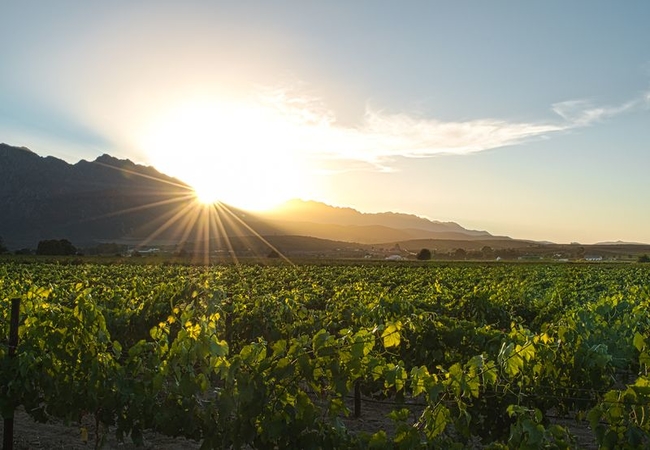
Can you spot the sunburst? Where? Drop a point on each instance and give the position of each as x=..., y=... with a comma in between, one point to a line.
x=193, y=222
x=243, y=154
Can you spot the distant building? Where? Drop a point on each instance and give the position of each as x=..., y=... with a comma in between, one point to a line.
x=141, y=252
x=529, y=258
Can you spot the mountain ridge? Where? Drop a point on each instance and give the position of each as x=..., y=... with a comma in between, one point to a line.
x=349, y=224
x=44, y=197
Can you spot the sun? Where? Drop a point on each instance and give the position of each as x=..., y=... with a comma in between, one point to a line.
x=206, y=196
x=242, y=154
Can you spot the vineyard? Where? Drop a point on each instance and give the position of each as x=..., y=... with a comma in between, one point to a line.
x=290, y=356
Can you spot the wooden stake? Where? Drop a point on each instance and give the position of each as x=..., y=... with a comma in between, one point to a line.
x=357, y=399
x=8, y=435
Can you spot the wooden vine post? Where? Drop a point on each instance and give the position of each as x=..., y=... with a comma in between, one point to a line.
x=357, y=399
x=8, y=435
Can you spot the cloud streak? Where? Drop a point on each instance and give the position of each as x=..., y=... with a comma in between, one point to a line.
x=582, y=113
x=381, y=137
x=306, y=128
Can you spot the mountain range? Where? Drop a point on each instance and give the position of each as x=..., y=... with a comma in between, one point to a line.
x=317, y=219
x=113, y=200
x=47, y=198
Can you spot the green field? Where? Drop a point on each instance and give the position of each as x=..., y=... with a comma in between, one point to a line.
x=234, y=356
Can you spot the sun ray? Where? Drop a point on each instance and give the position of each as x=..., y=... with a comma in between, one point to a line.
x=216, y=217
x=186, y=226
x=185, y=233
x=176, y=217
x=207, y=226
x=255, y=233
x=142, y=175
x=142, y=207
x=203, y=236
x=182, y=194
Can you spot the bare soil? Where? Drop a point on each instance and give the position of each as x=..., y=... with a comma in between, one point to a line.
x=56, y=435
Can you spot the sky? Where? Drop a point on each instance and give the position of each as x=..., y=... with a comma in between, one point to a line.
x=526, y=119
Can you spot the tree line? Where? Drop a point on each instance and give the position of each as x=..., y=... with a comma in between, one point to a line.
x=50, y=247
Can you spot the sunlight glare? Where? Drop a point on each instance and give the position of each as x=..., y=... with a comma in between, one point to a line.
x=206, y=195
x=237, y=153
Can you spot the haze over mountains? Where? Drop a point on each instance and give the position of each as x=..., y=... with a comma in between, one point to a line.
x=310, y=218
x=116, y=201
x=112, y=200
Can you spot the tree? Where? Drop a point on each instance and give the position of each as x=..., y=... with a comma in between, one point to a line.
x=107, y=249
x=424, y=254
x=55, y=247
x=3, y=249
x=487, y=252
x=460, y=253
x=644, y=259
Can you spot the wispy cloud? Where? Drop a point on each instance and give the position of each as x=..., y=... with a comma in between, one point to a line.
x=382, y=137
x=581, y=113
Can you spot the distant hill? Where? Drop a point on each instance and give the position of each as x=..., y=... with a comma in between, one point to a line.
x=310, y=218
x=447, y=245
x=109, y=200
x=113, y=200
x=620, y=243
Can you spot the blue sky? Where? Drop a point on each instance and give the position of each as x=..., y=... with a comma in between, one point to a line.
x=527, y=119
